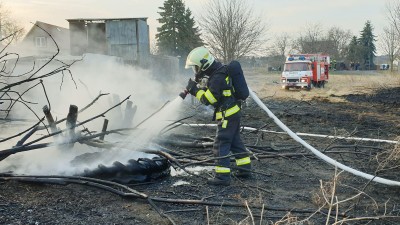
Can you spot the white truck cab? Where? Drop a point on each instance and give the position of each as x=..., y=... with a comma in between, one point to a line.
x=304, y=70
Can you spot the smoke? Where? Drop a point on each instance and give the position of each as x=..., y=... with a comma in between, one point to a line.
x=154, y=125
x=93, y=75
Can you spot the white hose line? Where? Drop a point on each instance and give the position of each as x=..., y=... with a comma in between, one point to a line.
x=349, y=138
x=298, y=134
x=318, y=153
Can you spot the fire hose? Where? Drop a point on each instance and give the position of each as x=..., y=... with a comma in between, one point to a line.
x=311, y=148
x=318, y=153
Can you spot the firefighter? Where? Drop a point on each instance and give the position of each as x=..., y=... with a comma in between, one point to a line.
x=213, y=86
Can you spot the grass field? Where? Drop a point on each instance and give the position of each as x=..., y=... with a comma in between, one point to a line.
x=340, y=83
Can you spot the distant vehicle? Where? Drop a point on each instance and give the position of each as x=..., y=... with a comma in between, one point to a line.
x=384, y=66
x=304, y=71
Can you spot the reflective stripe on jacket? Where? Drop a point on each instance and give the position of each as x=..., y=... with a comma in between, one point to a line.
x=219, y=94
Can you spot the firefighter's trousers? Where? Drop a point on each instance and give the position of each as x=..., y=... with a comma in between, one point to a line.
x=226, y=140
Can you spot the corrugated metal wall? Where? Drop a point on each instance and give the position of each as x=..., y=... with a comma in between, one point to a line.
x=121, y=36
x=144, y=42
x=125, y=38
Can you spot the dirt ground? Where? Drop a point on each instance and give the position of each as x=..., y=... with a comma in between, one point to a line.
x=289, y=185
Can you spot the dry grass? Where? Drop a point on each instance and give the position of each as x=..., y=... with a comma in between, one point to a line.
x=390, y=159
x=267, y=85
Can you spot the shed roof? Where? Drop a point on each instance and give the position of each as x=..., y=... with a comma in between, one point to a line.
x=52, y=29
x=105, y=19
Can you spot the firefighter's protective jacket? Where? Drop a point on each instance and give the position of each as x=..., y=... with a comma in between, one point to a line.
x=219, y=93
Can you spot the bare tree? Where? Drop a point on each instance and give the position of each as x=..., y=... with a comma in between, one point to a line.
x=8, y=25
x=391, y=35
x=231, y=30
x=340, y=40
x=281, y=45
x=313, y=39
x=310, y=39
x=11, y=83
x=278, y=50
x=393, y=14
x=389, y=44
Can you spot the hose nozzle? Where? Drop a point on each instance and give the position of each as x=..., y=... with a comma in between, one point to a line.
x=183, y=94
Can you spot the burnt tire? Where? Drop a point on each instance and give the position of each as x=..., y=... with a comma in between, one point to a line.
x=135, y=171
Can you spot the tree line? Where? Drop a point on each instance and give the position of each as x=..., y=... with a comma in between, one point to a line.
x=390, y=43
x=231, y=30
x=9, y=26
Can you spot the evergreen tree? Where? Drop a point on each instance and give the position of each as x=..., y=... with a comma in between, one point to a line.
x=366, y=41
x=189, y=35
x=177, y=34
x=353, y=53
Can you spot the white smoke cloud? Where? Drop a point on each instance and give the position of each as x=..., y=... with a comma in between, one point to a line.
x=93, y=75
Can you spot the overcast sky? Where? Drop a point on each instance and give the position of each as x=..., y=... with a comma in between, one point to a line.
x=281, y=15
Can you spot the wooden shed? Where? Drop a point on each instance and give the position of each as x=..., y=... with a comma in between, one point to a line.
x=127, y=38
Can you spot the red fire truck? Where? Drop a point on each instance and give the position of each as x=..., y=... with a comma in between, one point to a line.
x=304, y=71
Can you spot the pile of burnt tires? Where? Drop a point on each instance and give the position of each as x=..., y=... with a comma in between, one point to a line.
x=135, y=171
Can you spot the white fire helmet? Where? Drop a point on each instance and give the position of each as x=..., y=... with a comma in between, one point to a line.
x=199, y=59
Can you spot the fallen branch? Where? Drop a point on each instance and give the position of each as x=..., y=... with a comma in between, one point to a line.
x=78, y=180
x=7, y=152
x=27, y=147
x=172, y=160
x=78, y=124
x=83, y=109
x=23, y=132
x=231, y=204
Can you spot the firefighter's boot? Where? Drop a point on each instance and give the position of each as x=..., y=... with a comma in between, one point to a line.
x=223, y=180
x=244, y=165
x=244, y=171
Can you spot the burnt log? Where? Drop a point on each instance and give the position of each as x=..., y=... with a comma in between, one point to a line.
x=71, y=123
x=71, y=119
x=50, y=119
x=104, y=129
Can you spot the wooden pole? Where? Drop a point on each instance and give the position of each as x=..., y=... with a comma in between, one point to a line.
x=71, y=123
x=105, y=124
x=50, y=119
x=71, y=119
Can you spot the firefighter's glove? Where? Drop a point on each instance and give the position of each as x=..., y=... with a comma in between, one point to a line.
x=192, y=87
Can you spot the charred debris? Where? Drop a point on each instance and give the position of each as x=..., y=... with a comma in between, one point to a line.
x=118, y=177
